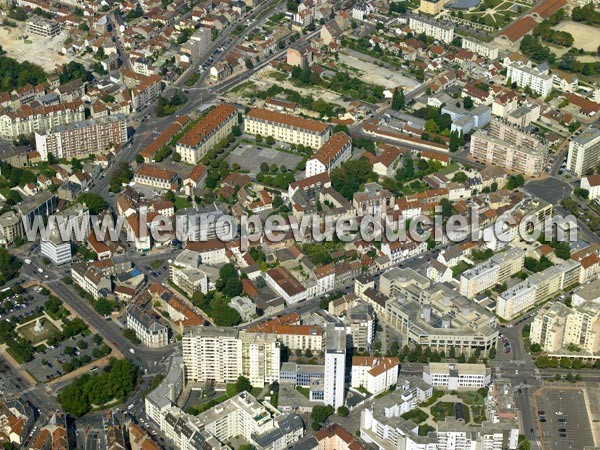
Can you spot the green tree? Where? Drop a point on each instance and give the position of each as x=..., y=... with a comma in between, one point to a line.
x=243, y=384
x=343, y=411
x=321, y=413
x=94, y=202
x=398, y=100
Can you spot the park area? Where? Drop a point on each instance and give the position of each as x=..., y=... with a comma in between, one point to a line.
x=465, y=405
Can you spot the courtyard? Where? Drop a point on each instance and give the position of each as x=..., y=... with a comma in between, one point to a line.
x=250, y=156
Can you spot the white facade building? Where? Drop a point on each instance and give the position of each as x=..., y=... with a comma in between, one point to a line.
x=335, y=367
x=457, y=376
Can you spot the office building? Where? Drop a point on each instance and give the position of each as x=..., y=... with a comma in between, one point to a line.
x=433, y=315
x=81, y=139
x=332, y=154
x=535, y=78
x=509, y=147
x=335, y=366
x=287, y=128
x=495, y=270
x=206, y=133
x=55, y=248
x=457, y=376
x=584, y=151
x=537, y=288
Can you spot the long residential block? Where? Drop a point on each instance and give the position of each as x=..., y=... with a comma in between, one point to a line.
x=205, y=134
x=81, y=139
x=287, y=128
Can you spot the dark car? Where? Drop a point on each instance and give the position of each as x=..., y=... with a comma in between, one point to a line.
x=563, y=435
x=562, y=430
x=542, y=413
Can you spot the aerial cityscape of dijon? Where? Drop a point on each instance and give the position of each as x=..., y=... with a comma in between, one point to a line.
x=300, y=224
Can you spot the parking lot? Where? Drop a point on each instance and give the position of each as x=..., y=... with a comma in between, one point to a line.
x=564, y=423
x=250, y=157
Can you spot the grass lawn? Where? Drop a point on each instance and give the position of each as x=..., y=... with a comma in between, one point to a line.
x=424, y=430
x=437, y=393
x=472, y=398
x=460, y=268
x=157, y=263
x=304, y=391
x=441, y=410
x=478, y=413
x=181, y=203
x=416, y=415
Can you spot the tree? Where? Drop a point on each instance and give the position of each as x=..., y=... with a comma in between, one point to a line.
x=460, y=177
x=468, y=103
x=139, y=159
x=447, y=208
x=270, y=140
x=398, y=100
x=343, y=411
x=321, y=413
x=233, y=287
x=454, y=144
x=264, y=167
x=243, y=384
x=94, y=202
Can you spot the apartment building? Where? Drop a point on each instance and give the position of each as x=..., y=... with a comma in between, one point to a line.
x=334, y=390
x=205, y=134
x=486, y=49
x=155, y=176
x=146, y=90
x=374, y=373
x=185, y=273
x=211, y=354
x=495, y=270
x=592, y=185
x=260, y=358
x=11, y=228
x=160, y=399
x=91, y=280
x=332, y=154
x=433, y=315
x=441, y=31
x=291, y=333
x=81, y=139
x=221, y=355
x=374, y=200
x=557, y=326
x=150, y=331
x=243, y=416
x=509, y=147
x=535, y=78
x=453, y=377
x=27, y=120
x=537, y=288
x=299, y=54
x=584, y=151
x=55, y=249
x=41, y=26
x=287, y=128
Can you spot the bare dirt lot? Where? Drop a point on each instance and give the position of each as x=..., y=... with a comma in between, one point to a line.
x=35, y=49
x=585, y=36
x=378, y=75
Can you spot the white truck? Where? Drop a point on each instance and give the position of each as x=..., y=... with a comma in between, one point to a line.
x=132, y=351
x=27, y=261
